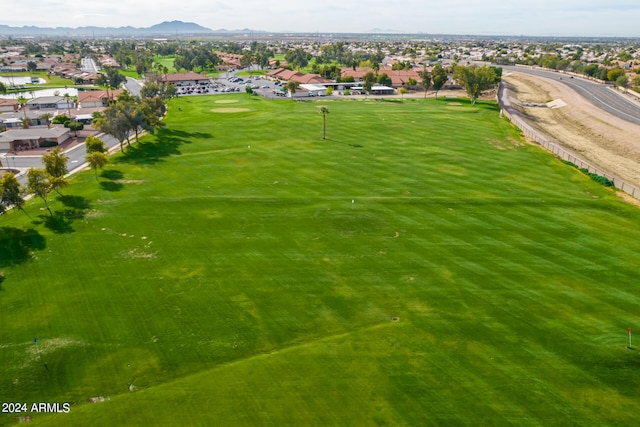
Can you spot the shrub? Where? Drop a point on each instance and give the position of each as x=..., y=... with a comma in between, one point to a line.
x=47, y=144
x=60, y=119
x=594, y=176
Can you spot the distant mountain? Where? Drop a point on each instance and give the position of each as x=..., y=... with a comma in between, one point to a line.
x=179, y=27
x=164, y=28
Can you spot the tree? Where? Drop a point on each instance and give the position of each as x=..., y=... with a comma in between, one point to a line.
x=93, y=144
x=96, y=160
x=68, y=98
x=425, y=81
x=248, y=90
x=38, y=184
x=112, y=122
x=403, y=90
x=23, y=105
x=60, y=119
x=55, y=164
x=47, y=118
x=621, y=81
x=292, y=86
x=10, y=192
x=614, y=73
x=324, y=111
x=474, y=79
x=75, y=127
x=32, y=66
x=368, y=80
x=384, y=79
x=3, y=88
x=439, y=77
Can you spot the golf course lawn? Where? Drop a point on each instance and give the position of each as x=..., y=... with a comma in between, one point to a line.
x=421, y=266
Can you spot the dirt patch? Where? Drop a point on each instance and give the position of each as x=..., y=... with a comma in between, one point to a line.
x=230, y=110
x=598, y=137
x=505, y=144
x=138, y=254
x=227, y=101
x=129, y=181
x=628, y=198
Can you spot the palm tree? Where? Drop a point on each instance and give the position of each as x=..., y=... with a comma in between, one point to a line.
x=324, y=111
x=46, y=117
x=68, y=98
x=23, y=105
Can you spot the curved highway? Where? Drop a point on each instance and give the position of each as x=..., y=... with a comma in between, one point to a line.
x=602, y=96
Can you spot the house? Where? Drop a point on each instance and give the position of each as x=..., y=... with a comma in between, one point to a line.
x=284, y=74
x=15, y=119
x=185, y=79
x=50, y=103
x=25, y=139
x=8, y=105
x=97, y=98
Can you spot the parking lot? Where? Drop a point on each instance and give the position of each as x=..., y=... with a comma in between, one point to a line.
x=236, y=84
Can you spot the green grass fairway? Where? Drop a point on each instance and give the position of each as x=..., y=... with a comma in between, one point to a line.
x=421, y=266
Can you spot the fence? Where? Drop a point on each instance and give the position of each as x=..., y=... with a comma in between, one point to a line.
x=514, y=116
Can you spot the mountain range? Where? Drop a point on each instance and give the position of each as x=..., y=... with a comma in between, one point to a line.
x=163, y=29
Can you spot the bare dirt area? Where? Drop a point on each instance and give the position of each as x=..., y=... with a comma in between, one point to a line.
x=598, y=137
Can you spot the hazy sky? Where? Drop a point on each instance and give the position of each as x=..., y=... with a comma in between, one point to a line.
x=486, y=17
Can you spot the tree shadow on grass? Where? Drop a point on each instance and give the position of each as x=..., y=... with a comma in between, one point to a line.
x=166, y=144
x=111, y=185
x=60, y=221
x=16, y=245
x=77, y=202
x=111, y=174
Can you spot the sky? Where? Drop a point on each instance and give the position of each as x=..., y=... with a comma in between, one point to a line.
x=584, y=18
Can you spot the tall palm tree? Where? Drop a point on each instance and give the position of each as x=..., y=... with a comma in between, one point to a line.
x=23, y=105
x=47, y=118
x=324, y=111
x=68, y=98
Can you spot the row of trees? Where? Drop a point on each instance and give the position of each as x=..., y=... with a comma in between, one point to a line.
x=132, y=114
x=52, y=177
x=40, y=181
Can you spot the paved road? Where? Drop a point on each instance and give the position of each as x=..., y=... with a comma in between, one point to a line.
x=133, y=86
x=76, y=158
x=89, y=66
x=602, y=96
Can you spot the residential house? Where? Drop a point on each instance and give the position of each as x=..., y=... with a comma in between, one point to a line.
x=8, y=105
x=97, y=98
x=25, y=139
x=50, y=103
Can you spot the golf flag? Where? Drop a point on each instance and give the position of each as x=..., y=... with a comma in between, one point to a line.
x=629, y=330
x=35, y=340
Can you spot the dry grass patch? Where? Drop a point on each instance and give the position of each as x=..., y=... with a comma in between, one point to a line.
x=230, y=110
